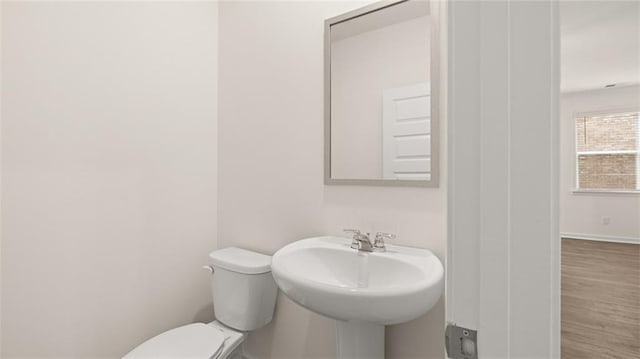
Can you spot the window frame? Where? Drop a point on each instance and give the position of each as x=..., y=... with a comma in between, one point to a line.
x=602, y=191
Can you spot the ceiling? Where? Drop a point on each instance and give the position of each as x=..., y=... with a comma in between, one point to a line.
x=600, y=44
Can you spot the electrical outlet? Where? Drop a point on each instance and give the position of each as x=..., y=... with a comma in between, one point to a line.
x=606, y=220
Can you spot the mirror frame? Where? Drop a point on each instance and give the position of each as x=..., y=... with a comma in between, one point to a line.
x=435, y=102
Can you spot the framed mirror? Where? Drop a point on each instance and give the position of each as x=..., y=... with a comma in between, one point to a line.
x=381, y=96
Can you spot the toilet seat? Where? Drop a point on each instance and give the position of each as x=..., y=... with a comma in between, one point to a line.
x=196, y=340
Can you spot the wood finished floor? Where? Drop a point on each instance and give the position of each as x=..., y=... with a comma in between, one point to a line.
x=600, y=300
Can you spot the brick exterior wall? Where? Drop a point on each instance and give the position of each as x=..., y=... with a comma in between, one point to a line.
x=607, y=133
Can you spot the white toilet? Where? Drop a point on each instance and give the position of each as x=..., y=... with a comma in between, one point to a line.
x=244, y=298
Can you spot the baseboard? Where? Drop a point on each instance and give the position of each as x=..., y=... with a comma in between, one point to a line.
x=601, y=238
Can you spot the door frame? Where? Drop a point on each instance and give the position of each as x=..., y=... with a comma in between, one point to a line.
x=503, y=246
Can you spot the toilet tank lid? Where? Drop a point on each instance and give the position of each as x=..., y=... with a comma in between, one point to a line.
x=241, y=260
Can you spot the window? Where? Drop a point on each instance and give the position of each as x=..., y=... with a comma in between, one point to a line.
x=608, y=152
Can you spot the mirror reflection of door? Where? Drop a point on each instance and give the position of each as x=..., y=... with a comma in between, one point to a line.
x=406, y=132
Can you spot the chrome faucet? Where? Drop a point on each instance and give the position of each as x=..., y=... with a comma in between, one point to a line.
x=362, y=242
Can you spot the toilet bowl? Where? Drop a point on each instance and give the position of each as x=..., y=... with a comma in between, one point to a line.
x=244, y=296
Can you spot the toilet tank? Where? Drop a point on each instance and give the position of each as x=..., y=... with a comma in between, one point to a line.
x=244, y=292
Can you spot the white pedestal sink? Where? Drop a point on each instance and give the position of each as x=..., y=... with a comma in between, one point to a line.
x=363, y=291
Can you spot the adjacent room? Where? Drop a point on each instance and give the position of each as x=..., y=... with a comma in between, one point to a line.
x=600, y=179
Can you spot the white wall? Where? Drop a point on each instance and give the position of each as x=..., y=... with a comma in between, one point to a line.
x=109, y=173
x=582, y=213
x=362, y=68
x=271, y=170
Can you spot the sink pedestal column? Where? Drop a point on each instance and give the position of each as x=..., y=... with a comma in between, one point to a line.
x=360, y=340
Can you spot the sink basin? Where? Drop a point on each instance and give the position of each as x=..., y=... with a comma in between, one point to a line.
x=327, y=276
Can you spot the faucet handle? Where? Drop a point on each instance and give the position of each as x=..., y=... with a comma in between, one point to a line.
x=351, y=231
x=383, y=235
x=379, y=241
